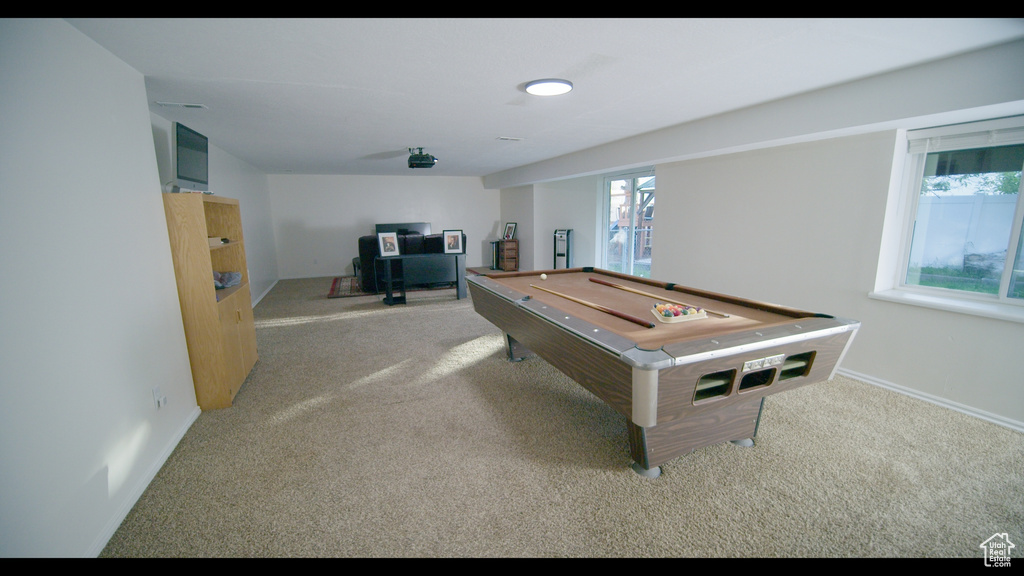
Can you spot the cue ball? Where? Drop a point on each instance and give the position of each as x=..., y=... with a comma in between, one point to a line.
x=543, y=276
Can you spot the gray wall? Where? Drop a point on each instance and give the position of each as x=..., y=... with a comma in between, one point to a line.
x=88, y=304
x=318, y=219
x=778, y=225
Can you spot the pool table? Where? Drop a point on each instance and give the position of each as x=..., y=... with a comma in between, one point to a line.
x=682, y=384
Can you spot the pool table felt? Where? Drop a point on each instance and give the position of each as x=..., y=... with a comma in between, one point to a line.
x=578, y=285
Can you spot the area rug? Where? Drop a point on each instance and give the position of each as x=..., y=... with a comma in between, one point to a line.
x=348, y=286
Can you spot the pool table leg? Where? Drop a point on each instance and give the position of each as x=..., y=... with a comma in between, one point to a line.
x=647, y=472
x=652, y=446
x=749, y=442
x=516, y=351
x=638, y=450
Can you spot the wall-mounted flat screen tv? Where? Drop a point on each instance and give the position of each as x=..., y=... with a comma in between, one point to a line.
x=191, y=158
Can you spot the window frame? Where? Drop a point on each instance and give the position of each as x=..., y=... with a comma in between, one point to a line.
x=901, y=215
x=632, y=174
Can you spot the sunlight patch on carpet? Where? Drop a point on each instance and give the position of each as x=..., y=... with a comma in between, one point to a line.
x=463, y=356
x=382, y=375
x=296, y=410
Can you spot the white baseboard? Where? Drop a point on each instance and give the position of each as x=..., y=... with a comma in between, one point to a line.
x=988, y=417
x=257, y=298
x=115, y=522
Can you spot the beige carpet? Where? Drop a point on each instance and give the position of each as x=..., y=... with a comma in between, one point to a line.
x=374, y=431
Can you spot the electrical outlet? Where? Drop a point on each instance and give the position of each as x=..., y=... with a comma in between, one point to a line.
x=159, y=398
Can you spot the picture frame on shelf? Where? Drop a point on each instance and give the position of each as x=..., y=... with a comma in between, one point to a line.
x=388, y=242
x=453, y=242
x=510, y=231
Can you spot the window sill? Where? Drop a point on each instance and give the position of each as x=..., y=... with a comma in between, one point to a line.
x=995, y=310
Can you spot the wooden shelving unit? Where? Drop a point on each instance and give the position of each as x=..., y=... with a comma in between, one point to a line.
x=219, y=327
x=508, y=255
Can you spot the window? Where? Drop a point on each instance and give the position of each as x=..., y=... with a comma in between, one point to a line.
x=962, y=237
x=629, y=200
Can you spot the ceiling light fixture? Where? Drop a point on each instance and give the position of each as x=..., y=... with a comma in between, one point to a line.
x=548, y=87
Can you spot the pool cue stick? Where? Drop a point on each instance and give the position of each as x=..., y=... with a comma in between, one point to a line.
x=655, y=296
x=604, y=309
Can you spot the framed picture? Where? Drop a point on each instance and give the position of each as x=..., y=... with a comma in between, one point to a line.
x=453, y=242
x=510, y=231
x=388, y=243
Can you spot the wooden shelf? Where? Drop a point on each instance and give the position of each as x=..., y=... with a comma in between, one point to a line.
x=219, y=327
x=225, y=293
x=508, y=255
x=231, y=244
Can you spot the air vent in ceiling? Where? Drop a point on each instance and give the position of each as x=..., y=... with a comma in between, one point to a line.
x=182, y=105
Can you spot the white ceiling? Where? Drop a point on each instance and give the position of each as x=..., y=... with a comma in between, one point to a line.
x=351, y=96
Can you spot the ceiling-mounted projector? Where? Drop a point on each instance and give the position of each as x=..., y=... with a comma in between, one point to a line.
x=420, y=160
